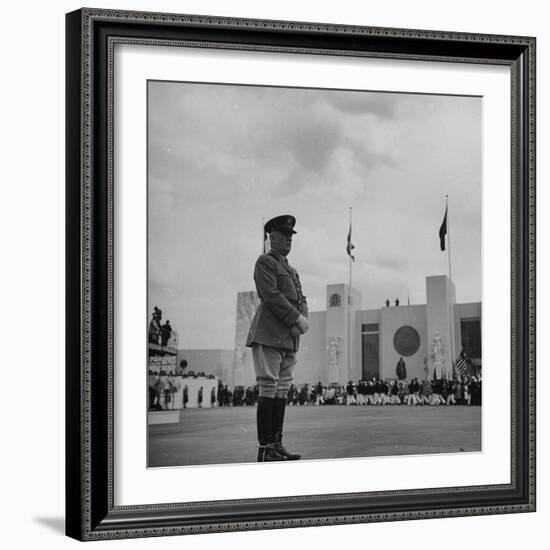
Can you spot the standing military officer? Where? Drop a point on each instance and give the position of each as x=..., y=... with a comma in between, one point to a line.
x=274, y=336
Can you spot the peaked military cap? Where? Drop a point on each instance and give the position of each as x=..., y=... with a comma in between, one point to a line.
x=283, y=224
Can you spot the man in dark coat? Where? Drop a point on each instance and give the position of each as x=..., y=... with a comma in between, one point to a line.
x=213, y=397
x=185, y=396
x=401, y=369
x=274, y=335
x=225, y=396
x=165, y=333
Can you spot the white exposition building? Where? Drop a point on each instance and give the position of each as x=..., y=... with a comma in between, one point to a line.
x=428, y=337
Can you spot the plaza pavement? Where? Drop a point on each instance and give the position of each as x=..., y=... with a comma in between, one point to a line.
x=228, y=435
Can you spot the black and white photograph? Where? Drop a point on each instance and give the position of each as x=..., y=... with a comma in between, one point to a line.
x=314, y=262
x=272, y=275
x=300, y=274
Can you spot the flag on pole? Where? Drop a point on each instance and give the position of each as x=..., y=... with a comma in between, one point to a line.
x=350, y=247
x=443, y=231
x=463, y=365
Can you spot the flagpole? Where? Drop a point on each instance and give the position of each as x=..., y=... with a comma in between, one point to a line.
x=448, y=235
x=349, y=305
x=451, y=319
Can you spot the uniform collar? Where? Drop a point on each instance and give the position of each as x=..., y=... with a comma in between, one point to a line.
x=278, y=255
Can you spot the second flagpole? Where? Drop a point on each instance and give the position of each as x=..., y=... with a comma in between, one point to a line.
x=349, y=302
x=451, y=309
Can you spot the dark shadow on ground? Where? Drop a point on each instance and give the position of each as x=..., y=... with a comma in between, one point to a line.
x=54, y=524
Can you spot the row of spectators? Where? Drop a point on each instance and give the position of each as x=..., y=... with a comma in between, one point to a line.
x=372, y=392
x=240, y=396
x=394, y=392
x=193, y=374
x=163, y=385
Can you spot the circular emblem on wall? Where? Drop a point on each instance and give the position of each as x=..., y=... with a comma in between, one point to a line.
x=335, y=300
x=406, y=341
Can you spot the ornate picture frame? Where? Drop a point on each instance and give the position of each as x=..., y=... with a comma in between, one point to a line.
x=90, y=253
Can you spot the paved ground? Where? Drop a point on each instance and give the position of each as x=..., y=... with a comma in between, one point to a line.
x=228, y=435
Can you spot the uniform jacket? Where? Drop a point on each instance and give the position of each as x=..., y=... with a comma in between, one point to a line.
x=281, y=303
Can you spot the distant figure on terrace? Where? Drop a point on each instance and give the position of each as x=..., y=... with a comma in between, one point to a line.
x=155, y=328
x=166, y=332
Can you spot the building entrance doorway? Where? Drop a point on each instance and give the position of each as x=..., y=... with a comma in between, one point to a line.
x=370, y=351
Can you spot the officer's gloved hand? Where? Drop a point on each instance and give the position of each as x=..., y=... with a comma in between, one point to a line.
x=303, y=324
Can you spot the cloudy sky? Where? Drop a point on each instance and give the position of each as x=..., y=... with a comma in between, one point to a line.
x=222, y=157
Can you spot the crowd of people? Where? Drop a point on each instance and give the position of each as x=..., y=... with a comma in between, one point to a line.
x=163, y=386
x=366, y=392
x=239, y=396
x=392, y=392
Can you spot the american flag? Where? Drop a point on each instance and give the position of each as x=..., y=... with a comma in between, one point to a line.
x=463, y=365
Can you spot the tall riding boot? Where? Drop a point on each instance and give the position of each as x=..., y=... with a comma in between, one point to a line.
x=264, y=421
x=279, y=405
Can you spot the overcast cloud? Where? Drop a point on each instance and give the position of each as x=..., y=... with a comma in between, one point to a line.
x=222, y=157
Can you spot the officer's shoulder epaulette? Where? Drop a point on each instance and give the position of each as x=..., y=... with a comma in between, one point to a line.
x=267, y=258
